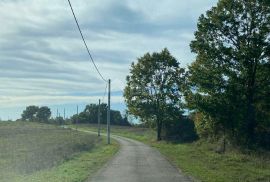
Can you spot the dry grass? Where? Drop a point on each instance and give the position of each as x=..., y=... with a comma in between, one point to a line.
x=26, y=148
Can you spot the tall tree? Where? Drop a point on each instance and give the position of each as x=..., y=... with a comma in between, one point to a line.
x=154, y=87
x=230, y=79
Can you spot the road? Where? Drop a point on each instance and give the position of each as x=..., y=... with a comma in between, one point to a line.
x=137, y=162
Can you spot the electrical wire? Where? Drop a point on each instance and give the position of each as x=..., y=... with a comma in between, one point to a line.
x=85, y=42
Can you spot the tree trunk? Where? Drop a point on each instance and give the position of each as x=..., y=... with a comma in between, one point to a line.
x=159, y=122
x=251, y=120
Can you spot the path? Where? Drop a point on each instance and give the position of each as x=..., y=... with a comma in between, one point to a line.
x=137, y=162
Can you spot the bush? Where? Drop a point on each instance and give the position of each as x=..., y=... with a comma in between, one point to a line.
x=182, y=129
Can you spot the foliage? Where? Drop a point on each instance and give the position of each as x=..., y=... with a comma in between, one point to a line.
x=43, y=114
x=204, y=125
x=229, y=82
x=90, y=115
x=30, y=113
x=154, y=88
x=180, y=130
x=35, y=113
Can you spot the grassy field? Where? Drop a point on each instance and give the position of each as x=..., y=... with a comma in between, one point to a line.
x=40, y=152
x=199, y=160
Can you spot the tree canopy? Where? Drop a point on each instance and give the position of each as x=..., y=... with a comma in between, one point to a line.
x=30, y=113
x=90, y=115
x=35, y=113
x=43, y=114
x=153, y=90
x=229, y=83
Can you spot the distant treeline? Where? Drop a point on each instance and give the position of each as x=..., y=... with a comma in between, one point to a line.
x=89, y=115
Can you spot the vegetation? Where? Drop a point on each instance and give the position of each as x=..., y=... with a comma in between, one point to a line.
x=199, y=158
x=229, y=83
x=227, y=88
x=39, y=152
x=34, y=113
x=90, y=115
x=154, y=90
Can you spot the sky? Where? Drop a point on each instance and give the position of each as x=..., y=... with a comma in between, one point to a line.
x=43, y=60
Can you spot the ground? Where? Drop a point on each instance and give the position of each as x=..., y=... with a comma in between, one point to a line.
x=199, y=159
x=41, y=152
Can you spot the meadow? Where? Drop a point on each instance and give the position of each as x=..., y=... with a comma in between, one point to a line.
x=42, y=152
x=199, y=159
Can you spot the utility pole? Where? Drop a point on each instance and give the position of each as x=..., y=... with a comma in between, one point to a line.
x=77, y=118
x=108, y=112
x=64, y=113
x=99, y=117
x=57, y=113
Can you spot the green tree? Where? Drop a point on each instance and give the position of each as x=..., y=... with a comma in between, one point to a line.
x=43, y=114
x=230, y=81
x=154, y=87
x=90, y=115
x=116, y=117
x=29, y=114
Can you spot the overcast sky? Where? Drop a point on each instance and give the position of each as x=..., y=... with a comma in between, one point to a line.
x=44, y=62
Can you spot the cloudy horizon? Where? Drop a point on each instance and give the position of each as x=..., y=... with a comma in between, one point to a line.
x=44, y=62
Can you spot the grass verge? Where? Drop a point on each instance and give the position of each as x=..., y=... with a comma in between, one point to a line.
x=199, y=160
x=78, y=169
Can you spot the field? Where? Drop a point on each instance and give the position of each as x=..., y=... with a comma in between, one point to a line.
x=40, y=152
x=199, y=160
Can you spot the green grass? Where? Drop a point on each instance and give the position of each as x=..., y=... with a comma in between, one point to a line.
x=39, y=152
x=79, y=168
x=199, y=160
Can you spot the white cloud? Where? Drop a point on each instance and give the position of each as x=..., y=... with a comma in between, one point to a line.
x=43, y=60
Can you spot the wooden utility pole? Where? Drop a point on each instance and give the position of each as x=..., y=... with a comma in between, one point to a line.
x=99, y=117
x=77, y=118
x=108, y=113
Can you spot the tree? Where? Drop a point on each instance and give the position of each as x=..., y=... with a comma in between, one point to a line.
x=154, y=87
x=30, y=113
x=90, y=115
x=43, y=114
x=230, y=82
x=116, y=117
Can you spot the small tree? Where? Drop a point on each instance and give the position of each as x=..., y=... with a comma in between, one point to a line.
x=153, y=87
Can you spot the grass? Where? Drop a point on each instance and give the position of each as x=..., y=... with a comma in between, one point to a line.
x=39, y=152
x=199, y=160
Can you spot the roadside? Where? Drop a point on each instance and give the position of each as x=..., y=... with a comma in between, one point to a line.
x=199, y=160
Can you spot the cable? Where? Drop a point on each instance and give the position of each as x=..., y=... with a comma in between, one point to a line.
x=105, y=92
x=85, y=42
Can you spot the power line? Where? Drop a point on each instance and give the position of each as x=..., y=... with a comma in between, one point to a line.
x=85, y=42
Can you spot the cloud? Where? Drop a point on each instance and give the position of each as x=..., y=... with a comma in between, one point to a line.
x=43, y=59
